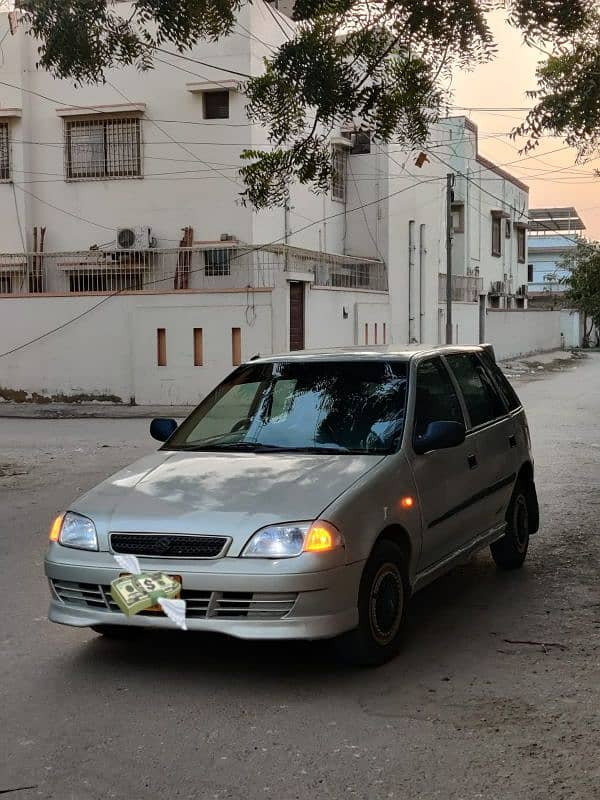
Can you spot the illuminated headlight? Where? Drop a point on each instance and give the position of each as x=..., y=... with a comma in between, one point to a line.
x=75, y=531
x=293, y=539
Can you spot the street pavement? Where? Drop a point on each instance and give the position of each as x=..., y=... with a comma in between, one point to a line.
x=495, y=694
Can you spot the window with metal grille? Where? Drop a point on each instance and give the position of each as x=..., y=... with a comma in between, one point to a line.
x=216, y=105
x=338, y=177
x=4, y=152
x=361, y=142
x=103, y=148
x=217, y=262
x=521, y=245
x=82, y=282
x=496, y=236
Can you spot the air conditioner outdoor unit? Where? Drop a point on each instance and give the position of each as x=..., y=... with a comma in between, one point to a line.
x=135, y=238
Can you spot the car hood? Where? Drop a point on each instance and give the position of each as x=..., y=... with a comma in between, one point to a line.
x=232, y=494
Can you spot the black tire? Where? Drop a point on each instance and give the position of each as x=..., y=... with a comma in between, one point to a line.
x=382, y=605
x=510, y=551
x=116, y=631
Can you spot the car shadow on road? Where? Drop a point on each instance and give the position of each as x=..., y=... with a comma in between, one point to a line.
x=465, y=609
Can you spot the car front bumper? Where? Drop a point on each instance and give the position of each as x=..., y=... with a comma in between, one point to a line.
x=248, y=599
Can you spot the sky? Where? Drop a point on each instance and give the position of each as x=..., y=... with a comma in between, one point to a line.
x=502, y=85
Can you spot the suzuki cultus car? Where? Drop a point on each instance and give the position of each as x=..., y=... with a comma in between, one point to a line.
x=308, y=497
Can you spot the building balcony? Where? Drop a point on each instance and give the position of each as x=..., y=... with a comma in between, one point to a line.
x=230, y=266
x=465, y=288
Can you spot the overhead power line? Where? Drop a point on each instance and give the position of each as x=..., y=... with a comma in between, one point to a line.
x=503, y=201
x=251, y=249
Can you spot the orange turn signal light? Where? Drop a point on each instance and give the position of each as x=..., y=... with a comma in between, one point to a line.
x=55, y=529
x=407, y=502
x=322, y=537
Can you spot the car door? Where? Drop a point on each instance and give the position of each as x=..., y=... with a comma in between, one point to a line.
x=491, y=436
x=442, y=477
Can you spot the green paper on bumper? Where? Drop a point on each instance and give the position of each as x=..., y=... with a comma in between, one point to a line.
x=135, y=593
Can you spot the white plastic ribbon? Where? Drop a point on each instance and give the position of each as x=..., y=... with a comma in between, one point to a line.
x=130, y=564
x=175, y=611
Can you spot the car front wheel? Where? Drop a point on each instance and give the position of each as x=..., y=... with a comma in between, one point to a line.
x=510, y=551
x=382, y=604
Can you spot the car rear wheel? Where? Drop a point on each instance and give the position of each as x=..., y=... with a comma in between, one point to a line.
x=510, y=551
x=382, y=604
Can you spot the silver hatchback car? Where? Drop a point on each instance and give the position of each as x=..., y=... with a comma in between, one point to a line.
x=309, y=496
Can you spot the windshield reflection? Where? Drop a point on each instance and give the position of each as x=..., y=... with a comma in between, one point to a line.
x=344, y=407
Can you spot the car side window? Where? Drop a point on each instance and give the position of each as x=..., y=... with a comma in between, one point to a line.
x=502, y=384
x=482, y=399
x=436, y=399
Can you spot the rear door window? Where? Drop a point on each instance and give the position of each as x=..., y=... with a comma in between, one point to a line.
x=482, y=399
x=502, y=384
x=436, y=399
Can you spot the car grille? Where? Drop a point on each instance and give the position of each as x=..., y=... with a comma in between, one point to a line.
x=160, y=545
x=199, y=604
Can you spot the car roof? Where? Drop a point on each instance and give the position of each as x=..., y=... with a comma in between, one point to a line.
x=371, y=353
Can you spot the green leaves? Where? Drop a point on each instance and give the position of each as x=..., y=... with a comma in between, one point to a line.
x=583, y=280
x=384, y=65
x=568, y=96
x=82, y=39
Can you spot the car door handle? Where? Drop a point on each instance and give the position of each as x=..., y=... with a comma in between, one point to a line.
x=472, y=461
x=512, y=440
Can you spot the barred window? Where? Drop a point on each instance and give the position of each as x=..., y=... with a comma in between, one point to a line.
x=496, y=236
x=217, y=262
x=4, y=152
x=521, y=245
x=338, y=178
x=103, y=148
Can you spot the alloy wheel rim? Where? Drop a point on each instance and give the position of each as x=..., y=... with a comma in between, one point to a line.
x=386, y=604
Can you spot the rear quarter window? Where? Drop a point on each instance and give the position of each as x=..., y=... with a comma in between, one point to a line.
x=484, y=402
x=502, y=383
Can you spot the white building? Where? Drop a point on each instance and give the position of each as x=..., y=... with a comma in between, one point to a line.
x=156, y=153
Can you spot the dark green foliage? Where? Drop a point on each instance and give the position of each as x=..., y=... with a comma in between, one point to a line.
x=381, y=64
x=583, y=280
x=567, y=101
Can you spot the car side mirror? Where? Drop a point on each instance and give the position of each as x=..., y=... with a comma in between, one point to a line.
x=162, y=429
x=440, y=436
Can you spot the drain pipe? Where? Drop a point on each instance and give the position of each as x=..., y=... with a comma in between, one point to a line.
x=422, y=306
x=411, y=280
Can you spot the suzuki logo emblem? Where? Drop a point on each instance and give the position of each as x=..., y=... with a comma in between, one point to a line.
x=163, y=545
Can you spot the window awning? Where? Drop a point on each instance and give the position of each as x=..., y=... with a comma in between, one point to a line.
x=10, y=113
x=341, y=140
x=130, y=109
x=197, y=87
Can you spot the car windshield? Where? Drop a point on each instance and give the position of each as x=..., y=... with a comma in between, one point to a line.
x=320, y=407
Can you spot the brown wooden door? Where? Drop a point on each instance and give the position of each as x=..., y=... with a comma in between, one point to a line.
x=296, y=315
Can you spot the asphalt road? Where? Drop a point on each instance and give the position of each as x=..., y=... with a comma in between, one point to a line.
x=495, y=695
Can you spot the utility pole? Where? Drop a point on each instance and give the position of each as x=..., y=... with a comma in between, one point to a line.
x=449, y=188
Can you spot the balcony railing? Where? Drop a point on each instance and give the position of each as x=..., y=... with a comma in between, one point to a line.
x=231, y=265
x=465, y=288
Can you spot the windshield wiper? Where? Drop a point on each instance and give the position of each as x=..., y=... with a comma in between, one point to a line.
x=241, y=446
x=259, y=447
